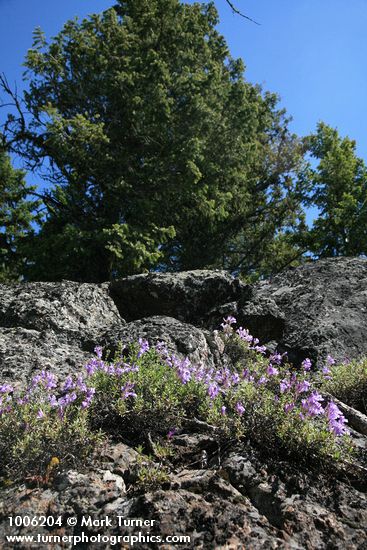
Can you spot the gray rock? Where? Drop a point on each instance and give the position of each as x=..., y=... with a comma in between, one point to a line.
x=181, y=339
x=187, y=296
x=74, y=310
x=244, y=503
x=23, y=352
x=313, y=310
x=51, y=326
x=261, y=316
x=312, y=512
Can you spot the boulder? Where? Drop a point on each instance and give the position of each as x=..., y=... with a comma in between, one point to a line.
x=51, y=326
x=181, y=339
x=70, y=309
x=23, y=352
x=186, y=296
x=313, y=310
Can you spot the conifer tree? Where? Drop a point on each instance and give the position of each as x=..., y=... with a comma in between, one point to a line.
x=17, y=212
x=337, y=187
x=160, y=154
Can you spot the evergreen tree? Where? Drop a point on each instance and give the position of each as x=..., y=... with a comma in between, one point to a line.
x=161, y=155
x=338, y=188
x=16, y=216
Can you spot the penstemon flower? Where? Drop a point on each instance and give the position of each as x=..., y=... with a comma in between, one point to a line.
x=306, y=364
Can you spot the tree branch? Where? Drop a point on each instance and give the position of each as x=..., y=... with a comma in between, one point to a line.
x=235, y=10
x=16, y=102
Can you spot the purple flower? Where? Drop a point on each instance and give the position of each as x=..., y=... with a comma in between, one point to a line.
x=144, y=346
x=35, y=380
x=161, y=349
x=90, y=392
x=235, y=378
x=240, y=408
x=68, y=384
x=67, y=399
x=52, y=400
x=223, y=410
x=244, y=335
x=336, y=420
x=40, y=414
x=312, y=404
x=171, y=433
x=330, y=361
x=98, y=351
x=80, y=384
x=50, y=380
x=227, y=325
x=338, y=428
x=47, y=379
x=88, y=398
x=332, y=411
x=288, y=407
x=246, y=374
x=303, y=386
x=262, y=380
x=272, y=371
x=276, y=358
x=224, y=377
x=6, y=388
x=23, y=400
x=92, y=366
x=213, y=391
x=230, y=320
x=185, y=375
x=260, y=349
x=184, y=371
x=200, y=374
x=284, y=385
x=326, y=372
x=111, y=370
x=306, y=364
x=127, y=390
x=172, y=361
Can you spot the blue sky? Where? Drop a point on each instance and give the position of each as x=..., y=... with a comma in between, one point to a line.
x=311, y=52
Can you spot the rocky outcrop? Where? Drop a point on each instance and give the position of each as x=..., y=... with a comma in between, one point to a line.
x=236, y=497
x=245, y=502
x=313, y=310
x=72, y=310
x=51, y=326
x=23, y=352
x=187, y=296
x=181, y=339
x=309, y=311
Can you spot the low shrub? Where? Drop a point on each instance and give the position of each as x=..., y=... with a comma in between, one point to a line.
x=147, y=392
x=36, y=434
x=348, y=382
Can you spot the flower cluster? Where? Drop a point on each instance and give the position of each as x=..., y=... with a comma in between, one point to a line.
x=336, y=419
x=294, y=390
x=297, y=389
x=149, y=378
